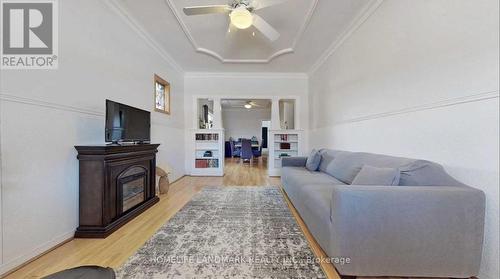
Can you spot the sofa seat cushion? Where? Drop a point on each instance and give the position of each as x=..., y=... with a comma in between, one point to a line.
x=302, y=176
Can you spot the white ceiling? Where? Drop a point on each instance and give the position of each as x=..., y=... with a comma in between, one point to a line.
x=202, y=44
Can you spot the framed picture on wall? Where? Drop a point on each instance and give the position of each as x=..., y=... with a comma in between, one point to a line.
x=162, y=95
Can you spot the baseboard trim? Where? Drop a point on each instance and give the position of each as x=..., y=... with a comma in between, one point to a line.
x=21, y=261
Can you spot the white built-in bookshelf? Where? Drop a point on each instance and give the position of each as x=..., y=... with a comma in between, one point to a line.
x=208, y=153
x=283, y=143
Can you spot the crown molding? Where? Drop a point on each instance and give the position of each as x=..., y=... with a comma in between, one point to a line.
x=256, y=75
x=357, y=22
x=219, y=57
x=117, y=7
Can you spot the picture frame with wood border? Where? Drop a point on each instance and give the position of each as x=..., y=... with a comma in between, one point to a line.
x=161, y=95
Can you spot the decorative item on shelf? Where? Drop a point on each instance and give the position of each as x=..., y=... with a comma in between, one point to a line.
x=284, y=155
x=208, y=153
x=284, y=145
x=162, y=95
x=163, y=183
x=202, y=124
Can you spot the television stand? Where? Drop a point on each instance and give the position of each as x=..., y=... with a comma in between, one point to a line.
x=117, y=183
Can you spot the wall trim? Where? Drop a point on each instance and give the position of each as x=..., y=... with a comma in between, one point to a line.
x=357, y=22
x=256, y=75
x=233, y=109
x=40, y=103
x=117, y=7
x=219, y=57
x=19, y=262
x=429, y=106
x=155, y=120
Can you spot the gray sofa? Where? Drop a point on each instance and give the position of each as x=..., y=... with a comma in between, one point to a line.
x=430, y=225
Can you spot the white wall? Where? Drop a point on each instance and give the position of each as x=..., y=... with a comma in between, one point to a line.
x=45, y=113
x=419, y=79
x=244, y=123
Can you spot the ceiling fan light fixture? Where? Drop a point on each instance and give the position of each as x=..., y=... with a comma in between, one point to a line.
x=248, y=106
x=241, y=18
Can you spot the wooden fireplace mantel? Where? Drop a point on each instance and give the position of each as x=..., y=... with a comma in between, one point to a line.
x=104, y=169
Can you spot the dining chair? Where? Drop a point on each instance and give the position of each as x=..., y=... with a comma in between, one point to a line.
x=257, y=152
x=246, y=150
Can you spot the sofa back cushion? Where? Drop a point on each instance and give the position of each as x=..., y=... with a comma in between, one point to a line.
x=426, y=173
x=327, y=156
x=313, y=160
x=369, y=175
x=345, y=165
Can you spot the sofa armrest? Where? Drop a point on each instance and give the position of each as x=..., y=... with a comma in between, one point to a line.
x=293, y=161
x=399, y=230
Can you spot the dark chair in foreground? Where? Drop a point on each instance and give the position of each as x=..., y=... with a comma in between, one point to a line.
x=84, y=272
x=246, y=150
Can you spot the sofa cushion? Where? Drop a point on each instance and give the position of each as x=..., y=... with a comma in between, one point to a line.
x=313, y=160
x=426, y=173
x=344, y=167
x=303, y=176
x=327, y=156
x=369, y=175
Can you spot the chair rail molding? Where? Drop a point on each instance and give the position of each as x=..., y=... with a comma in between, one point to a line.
x=428, y=106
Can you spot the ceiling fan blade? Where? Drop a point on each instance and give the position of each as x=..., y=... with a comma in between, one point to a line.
x=261, y=4
x=231, y=31
x=265, y=28
x=203, y=10
x=254, y=104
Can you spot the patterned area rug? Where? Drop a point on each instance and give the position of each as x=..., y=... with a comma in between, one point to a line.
x=227, y=232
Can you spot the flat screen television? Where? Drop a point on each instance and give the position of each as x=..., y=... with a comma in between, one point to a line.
x=127, y=124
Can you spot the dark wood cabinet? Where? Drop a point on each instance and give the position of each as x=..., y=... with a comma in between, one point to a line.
x=117, y=183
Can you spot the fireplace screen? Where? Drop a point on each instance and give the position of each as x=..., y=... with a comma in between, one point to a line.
x=132, y=183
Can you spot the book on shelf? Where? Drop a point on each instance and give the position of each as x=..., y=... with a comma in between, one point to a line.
x=207, y=137
x=283, y=137
x=284, y=145
x=206, y=163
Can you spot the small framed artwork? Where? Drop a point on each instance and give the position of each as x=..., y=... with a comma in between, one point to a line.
x=162, y=95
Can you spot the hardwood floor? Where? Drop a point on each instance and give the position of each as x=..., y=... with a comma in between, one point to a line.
x=115, y=249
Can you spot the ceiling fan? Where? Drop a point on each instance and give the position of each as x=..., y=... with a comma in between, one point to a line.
x=250, y=104
x=241, y=14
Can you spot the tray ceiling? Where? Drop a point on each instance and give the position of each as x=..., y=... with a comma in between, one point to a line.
x=203, y=43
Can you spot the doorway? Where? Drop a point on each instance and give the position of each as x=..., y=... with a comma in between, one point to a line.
x=246, y=123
